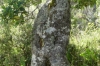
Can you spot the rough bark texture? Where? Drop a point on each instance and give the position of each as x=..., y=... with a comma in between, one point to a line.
x=51, y=34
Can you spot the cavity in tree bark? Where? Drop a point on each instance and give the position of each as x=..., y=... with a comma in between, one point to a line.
x=51, y=34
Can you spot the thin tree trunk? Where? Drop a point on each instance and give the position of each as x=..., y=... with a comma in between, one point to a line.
x=51, y=34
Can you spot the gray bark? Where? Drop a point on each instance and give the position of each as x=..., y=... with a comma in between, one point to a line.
x=51, y=34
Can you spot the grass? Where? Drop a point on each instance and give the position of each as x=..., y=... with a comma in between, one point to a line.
x=84, y=47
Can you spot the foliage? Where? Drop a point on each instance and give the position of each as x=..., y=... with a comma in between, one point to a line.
x=82, y=3
x=97, y=3
x=15, y=33
x=15, y=10
x=84, y=47
x=15, y=45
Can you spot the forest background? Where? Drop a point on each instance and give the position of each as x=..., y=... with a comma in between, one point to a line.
x=16, y=24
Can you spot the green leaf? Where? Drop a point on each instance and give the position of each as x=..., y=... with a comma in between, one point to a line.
x=22, y=61
x=22, y=8
x=36, y=2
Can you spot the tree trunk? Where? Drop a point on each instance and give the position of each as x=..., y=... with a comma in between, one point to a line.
x=51, y=34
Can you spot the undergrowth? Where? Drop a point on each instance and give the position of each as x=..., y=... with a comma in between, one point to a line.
x=84, y=47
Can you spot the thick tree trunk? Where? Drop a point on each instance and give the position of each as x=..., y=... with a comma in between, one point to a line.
x=51, y=34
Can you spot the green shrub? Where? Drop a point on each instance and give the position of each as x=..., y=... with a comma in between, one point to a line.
x=84, y=47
